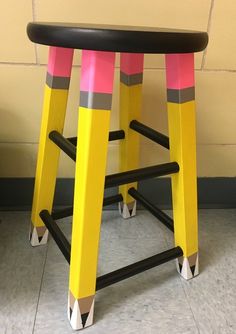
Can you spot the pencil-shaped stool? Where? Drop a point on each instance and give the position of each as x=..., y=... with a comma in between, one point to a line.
x=89, y=149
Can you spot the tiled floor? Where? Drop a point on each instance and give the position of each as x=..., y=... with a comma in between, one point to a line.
x=33, y=281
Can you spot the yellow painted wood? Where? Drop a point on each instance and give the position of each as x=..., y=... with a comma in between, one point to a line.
x=89, y=190
x=54, y=108
x=130, y=109
x=181, y=119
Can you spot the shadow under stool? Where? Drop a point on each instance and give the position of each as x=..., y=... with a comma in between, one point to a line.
x=99, y=43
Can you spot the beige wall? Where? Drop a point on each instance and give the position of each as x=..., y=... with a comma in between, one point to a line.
x=22, y=75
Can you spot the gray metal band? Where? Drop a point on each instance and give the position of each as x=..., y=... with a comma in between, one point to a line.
x=132, y=79
x=57, y=82
x=181, y=95
x=95, y=100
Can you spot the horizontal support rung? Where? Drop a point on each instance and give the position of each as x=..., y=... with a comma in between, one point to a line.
x=112, y=199
x=159, y=214
x=68, y=145
x=64, y=144
x=141, y=174
x=117, y=275
x=113, y=135
x=150, y=133
x=138, y=267
x=56, y=233
x=66, y=212
x=116, y=135
x=72, y=140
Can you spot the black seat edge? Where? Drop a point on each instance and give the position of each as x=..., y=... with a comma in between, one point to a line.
x=117, y=38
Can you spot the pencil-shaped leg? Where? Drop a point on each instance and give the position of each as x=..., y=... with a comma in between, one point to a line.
x=131, y=78
x=181, y=118
x=54, y=108
x=96, y=87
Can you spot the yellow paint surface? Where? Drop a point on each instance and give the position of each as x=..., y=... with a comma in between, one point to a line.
x=184, y=189
x=55, y=101
x=89, y=190
x=130, y=109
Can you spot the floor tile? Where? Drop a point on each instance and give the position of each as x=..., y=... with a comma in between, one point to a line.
x=21, y=269
x=147, y=303
x=212, y=295
x=156, y=301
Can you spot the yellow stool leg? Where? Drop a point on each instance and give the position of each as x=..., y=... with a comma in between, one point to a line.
x=54, y=108
x=94, y=115
x=131, y=77
x=181, y=117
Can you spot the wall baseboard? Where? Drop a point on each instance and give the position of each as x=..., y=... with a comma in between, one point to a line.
x=215, y=192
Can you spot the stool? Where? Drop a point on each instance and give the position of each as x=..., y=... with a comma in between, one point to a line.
x=99, y=43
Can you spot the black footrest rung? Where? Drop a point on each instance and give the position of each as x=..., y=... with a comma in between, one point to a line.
x=159, y=214
x=68, y=145
x=64, y=144
x=116, y=135
x=138, y=267
x=150, y=133
x=112, y=199
x=66, y=212
x=72, y=140
x=113, y=135
x=57, y=234
x=141, y=174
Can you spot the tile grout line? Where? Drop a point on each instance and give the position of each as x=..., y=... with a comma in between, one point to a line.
x=116, y=145
x=40, y=288
x=189, y=304
x=208, y=31
x=34, y=19
x=5, y=63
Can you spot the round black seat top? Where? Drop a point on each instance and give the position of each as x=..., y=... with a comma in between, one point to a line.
x=117, y=38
